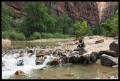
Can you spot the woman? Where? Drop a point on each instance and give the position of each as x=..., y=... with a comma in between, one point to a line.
x=81, y=44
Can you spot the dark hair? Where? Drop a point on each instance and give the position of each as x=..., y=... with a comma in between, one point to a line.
x=80, y=40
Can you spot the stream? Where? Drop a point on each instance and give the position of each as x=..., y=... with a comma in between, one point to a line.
x=43, y=71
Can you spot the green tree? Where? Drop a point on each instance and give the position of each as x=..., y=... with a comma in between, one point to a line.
x=38, y=18
x=80, y=28
x=64, y=24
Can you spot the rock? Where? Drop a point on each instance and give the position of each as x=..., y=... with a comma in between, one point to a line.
x=107, y=60
x=42, y=53
x=89, y=58
x=20, y=63
x=40, y=60
x=20, y=73
x=99, y=41
x=114, y=47
x=108, y=52
x=58, y=52
x=30, y=51
x=74, y=59
x=54, y=62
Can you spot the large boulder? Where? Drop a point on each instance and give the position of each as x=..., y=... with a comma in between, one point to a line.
x=107, y=60
x=89, y=58
x=114, y=47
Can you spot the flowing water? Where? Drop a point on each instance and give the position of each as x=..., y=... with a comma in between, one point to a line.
x=34, y=71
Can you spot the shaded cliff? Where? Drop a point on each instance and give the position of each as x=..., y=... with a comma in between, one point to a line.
x=93, y=12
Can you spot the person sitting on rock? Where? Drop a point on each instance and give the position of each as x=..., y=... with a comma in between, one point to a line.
x=81, y=44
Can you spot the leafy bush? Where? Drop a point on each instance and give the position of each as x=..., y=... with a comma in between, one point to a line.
x=5, y=34
x=16, y=36
x=35, y=35
x=80, y=28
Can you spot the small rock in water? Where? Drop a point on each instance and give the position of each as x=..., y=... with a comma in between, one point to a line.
x=19, y=73
x=20, y=63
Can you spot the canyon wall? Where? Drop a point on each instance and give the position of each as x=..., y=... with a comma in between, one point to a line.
x=93, y=12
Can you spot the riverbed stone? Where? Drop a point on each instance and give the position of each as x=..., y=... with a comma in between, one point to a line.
x=20, y=73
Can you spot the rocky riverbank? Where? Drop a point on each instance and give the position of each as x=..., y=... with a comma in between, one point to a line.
x=97, y=48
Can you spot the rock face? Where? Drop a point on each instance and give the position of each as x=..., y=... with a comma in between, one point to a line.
x=107, y=60
x=93, y=12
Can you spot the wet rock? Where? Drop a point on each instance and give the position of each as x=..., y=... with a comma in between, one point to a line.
x=89, y=58
x=40, y=60
x=58, y=52
x=74, y=59
x=20, y=63
x=64, y=59
x=114, y=47
x=108, y=52
x=20, y=73
x=54, y=62
x=42, y=53
x=99, y=41
x=107, y=60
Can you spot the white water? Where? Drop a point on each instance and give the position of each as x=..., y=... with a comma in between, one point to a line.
x=10, y=64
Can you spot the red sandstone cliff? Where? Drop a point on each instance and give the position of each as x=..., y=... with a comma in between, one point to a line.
x=93, y=12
